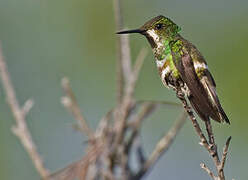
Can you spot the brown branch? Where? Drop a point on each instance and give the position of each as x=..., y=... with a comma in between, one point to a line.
x=140, y=152
x=27, y=107
x=134, y=75
x=70, y=102
x=203, y=140
x=224, y=155
x=210, y=173
x=138, y=63
x=79, y=169
x=119, y=70
x=126, y=57
x=21, y=129
x=161, y=147
x=124, y=93
x=155, y=104
x=122, y=111
x=210, y=146
x=146, y=110
x=160, y=103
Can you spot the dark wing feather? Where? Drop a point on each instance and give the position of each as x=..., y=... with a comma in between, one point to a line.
x=209, y=85
x=203, y=97
x=198, y=98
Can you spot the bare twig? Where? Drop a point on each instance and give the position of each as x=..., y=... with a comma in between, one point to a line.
x=161, y=147
x=210, y=173
x=79, y=169
x=125, y=100
x=119, y=25
x=138, y=63
x=128, y=102
x=131, y=84
x=160, y=103
x=140, y=152
x=198, y=130
x=104, y=125
x=125, y=57
x=210, y=133
x=146, y=110
x=210, y=146
x=21, y=129
x=71, y=104
x=224, y=155
x=70, y=172
x=27, y=107
x=154, y=104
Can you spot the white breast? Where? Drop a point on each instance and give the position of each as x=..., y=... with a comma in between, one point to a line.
x=165, y=72
x=155, y=38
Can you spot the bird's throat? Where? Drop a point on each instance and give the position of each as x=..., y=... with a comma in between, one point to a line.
x=162, y=50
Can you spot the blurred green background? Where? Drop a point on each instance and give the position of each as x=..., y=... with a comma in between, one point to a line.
x=45, y=40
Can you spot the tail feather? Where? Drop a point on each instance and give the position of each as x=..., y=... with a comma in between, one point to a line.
x=196, y=107
x=223, y=115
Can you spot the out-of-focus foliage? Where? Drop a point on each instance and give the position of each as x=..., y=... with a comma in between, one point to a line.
x=45, y=40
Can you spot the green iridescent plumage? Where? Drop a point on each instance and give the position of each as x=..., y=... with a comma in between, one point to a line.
x=181, y=65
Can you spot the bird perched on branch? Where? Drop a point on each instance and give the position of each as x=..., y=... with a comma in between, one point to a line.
x=182, y=67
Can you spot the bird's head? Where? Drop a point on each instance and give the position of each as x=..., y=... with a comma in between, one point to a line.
x=156, y=30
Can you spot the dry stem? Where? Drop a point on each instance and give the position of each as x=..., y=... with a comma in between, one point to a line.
x=210, y=146
x=70, y=102
x=120, y=50
x=21, y=129
x=161, y=147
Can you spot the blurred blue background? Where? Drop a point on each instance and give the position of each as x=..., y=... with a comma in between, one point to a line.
x=45, y=40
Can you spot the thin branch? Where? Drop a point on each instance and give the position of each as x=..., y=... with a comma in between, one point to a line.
x=138, y=63
x=146, y=110
x=122, y=111
x=140, y=152
x=21, y=129
x=27, y=107
x=70, y=172
x=104, y=125
x=119, y=70
x=79, y=169
x=125, y=90
x=210, y=173
x=161, y=147
x=210, y=133
x=154, y=104
x=134, y=75
x=203, y=140
x=126, y=57
x=210, y=146
x=160, y=103
x=224, y=155
x=71, y=104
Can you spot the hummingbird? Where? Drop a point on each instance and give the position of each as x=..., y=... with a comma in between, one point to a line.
x=181, y=66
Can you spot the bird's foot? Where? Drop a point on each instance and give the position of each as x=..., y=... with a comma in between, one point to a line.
x=180, y=93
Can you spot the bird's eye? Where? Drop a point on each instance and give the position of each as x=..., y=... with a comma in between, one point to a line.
x=159, y=26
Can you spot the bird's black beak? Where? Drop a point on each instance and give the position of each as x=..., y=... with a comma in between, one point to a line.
x=141, y=31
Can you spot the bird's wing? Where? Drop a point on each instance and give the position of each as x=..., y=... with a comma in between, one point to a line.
x=193, y=70
x=208, y=83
